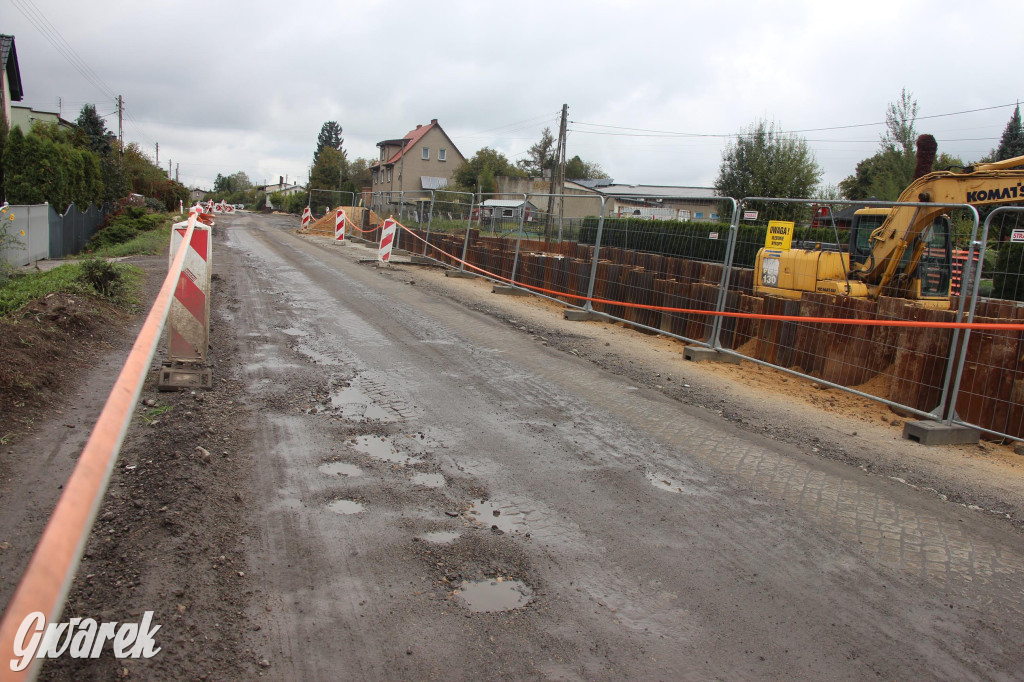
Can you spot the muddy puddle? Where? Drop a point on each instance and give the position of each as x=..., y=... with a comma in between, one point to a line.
x=494, y=594
x=675, y=485
x=428, y=480
x=345, y=507
x=352, y=403
x=441, y=537
x=496, y=516
x=294, y=331
x=383, y=449
x=340, y=469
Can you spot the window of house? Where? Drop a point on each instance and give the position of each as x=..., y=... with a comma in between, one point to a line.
x=442, y=154
x=698, y=215
x=426, y=154
x=507, y=213
x=375, y=176
x=389, y=175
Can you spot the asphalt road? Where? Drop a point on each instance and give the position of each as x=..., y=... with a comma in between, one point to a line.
x=417, y=463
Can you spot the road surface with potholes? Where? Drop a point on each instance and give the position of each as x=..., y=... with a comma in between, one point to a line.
x=397, y=486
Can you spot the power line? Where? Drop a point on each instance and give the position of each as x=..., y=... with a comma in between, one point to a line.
x=54, y=37
x=645, y=132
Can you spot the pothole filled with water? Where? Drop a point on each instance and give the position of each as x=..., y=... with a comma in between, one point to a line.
x=493, y=594
x=506, y=518
x=340, y=469
x=352, y=403
x=429, y=480
x=441, y=537
x=382, y=448
x=293, y=331
x=673, y=485
x=345, y=507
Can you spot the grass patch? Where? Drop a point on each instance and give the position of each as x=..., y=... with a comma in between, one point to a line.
x=18, y=290
x=154, y=242
x=151, y=415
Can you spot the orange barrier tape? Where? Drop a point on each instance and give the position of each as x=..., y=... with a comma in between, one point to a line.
x=45, y=583
x=986, y=326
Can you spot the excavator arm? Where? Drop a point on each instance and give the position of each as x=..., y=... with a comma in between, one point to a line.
x=984, y=184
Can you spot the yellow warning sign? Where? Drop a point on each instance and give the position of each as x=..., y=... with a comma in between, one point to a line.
x=780, y=235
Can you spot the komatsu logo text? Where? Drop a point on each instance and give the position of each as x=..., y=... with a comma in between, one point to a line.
x=996, y=194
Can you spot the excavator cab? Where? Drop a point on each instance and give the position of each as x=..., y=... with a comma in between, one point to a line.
x=930, y=279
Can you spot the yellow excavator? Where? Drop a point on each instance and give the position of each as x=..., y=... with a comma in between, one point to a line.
x=903, y=251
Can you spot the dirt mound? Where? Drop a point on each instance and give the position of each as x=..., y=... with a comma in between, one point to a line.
x=41, y=345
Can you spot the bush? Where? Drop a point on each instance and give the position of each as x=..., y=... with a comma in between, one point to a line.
x=104, y=277
x=692, y=239
x=1008, y=278
x=125, y=227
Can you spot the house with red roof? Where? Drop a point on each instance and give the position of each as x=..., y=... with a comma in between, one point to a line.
x=425, y=159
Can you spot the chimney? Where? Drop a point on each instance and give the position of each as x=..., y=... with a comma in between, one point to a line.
x=418, y=126
x=280, y=180
x=433, y=120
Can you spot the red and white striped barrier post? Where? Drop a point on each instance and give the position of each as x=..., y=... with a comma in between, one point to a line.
x=387, y=240
x=188, y=322
x=339, y=224
x=307, y=217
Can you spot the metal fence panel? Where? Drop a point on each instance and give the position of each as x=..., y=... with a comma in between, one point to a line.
x=29, y=235
x=652, y=253
x=908, y=367
x=988, y=390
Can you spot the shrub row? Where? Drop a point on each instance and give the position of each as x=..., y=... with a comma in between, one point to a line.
x=691, y=239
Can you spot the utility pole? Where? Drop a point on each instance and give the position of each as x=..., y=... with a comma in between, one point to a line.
x=158, y=156
x=558, y=175
x=120, y=125
x=177, y=169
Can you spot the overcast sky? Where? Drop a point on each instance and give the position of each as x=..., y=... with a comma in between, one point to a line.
x=229, y=86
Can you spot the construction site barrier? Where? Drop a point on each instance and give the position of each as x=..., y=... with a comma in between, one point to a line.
x=892, y=350
x=44, y=585
x=339, y=224
x=188, y=323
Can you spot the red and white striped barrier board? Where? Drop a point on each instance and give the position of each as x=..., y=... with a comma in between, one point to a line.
x=387, y=240
x=339, y=224
x=188, y=321
x=307, y=217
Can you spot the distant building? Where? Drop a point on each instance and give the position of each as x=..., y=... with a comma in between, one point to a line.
x=425, y=159
x=652, y=202
x=25, y=117
x=281, y=187
x=10, y=76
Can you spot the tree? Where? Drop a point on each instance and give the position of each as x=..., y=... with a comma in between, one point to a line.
x=486, y=164
x=329, y=171
x=231, y=184
x=330, y=137
x=578, y=169
x=1011, y=144
x=899, y=122
x=359, y=173
x=764, y=162
x=93, y=130
x=885, y=175
x=541, y=156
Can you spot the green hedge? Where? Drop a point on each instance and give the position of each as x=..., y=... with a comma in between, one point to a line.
x=1008, y=278
x=692, y=239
